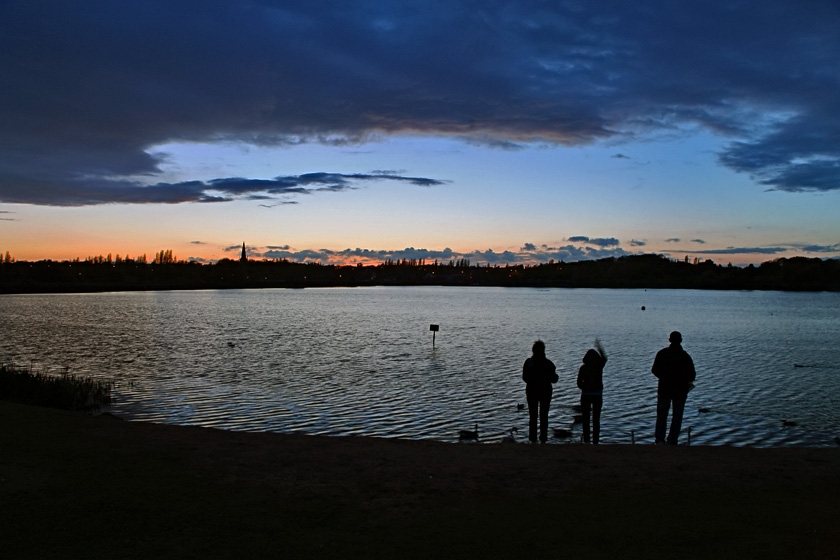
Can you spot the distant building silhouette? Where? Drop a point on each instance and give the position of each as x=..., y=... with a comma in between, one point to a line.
x=243, y=258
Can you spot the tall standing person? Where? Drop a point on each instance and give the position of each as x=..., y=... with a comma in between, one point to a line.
x=539, y=374
x=591, y=385
x=675, y=370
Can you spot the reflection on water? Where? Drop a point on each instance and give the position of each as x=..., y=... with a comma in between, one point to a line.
x=360, y=361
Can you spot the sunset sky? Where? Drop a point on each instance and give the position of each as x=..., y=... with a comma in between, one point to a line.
x=501, y=132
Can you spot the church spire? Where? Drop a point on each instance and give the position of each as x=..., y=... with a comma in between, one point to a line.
x=244, y=257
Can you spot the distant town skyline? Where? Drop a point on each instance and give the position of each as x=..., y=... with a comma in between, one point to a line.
x=361, y=132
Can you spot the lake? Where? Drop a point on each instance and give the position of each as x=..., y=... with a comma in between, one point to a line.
x=362, y=361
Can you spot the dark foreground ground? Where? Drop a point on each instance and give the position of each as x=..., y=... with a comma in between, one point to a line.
x=78, y=486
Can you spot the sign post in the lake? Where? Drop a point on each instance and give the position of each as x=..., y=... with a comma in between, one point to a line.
x=434, y=329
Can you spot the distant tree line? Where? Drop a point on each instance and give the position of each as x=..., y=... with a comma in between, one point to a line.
x=166, y=272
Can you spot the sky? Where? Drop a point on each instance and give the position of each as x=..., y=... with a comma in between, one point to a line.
x=353, y=132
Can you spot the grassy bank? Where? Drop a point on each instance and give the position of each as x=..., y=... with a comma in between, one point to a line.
x=75, y=485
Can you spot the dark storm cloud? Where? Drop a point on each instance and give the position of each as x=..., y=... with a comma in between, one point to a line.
x=88, y=93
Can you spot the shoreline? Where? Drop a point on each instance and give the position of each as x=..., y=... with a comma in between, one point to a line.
x=76, y=484
x=641, y=271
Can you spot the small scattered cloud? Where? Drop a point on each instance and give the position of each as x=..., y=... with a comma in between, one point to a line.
x=835, y=248
x=701, y=241
x=673, y=240
x=741, y=251
x=279, y=203
x=598, y=241
x=637, y=243
x=528, y=254
x=605, y=241
x=91, y=192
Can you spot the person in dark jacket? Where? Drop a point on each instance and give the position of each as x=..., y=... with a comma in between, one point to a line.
x=591, y=385
x=539, y=374
x=675, y=370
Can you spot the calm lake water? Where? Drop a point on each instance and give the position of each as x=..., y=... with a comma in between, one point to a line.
x=361, y=361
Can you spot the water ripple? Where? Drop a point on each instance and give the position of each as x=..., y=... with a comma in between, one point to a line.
x=361, y=361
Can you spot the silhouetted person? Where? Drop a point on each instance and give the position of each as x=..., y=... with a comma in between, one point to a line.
x=591, y=385
x=538, y=373
x=675, y=371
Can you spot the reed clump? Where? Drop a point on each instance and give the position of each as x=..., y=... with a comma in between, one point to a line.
x=65, y=391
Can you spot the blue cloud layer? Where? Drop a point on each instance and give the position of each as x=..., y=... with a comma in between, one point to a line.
x=87, y=91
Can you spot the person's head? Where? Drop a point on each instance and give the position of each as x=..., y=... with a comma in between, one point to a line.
x=591, y=357
x=538, y=348
x=675, y=338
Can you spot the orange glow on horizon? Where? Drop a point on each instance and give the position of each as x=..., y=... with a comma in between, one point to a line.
x=209, y=254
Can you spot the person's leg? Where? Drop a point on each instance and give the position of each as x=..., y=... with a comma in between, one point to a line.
x=533, y=407
x=585, y=408
x=597, y=402
x=544, y=404
x=663, y=404
x=676, y=421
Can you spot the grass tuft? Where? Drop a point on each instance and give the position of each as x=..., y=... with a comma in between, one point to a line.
x=65, y=391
